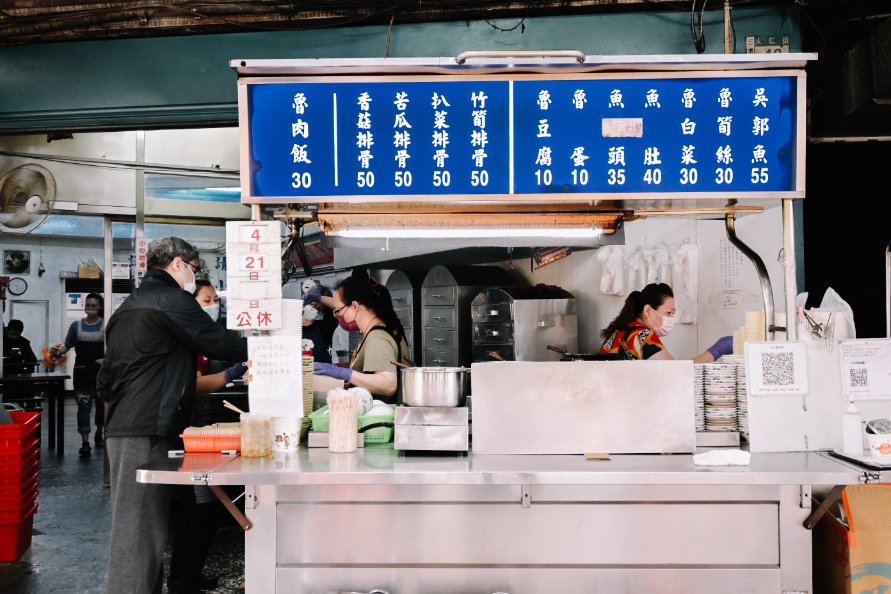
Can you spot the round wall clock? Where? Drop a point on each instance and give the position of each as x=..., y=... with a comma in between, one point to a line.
x=17, y=286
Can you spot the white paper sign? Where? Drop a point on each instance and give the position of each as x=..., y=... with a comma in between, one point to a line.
x=253, y=275
x=865, y=368
x=774, y=368
x=249, y=314
x=248, y=232
x=276, y=376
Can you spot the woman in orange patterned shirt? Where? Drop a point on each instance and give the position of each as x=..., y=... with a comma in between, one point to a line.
x=646, y=317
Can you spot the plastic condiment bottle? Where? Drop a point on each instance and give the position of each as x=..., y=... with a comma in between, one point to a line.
x=852, y=431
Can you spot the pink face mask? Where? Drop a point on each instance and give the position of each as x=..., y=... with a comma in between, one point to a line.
x=665, y=328
x=348, y=326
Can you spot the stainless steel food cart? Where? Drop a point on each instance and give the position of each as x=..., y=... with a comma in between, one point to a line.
x=519, y=523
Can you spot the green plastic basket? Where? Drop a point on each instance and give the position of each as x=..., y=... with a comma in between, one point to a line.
x=377, y=435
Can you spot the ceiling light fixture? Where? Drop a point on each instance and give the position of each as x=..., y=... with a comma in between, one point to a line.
x=471, y=233
x=470, y=225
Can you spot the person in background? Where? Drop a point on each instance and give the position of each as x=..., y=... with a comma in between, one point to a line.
x=18, y=357
x=360, y=303
x=148, y=380
x=87, y=338
x=200, y=513
x=319, y=325
x=647, y=317
x=206, y=296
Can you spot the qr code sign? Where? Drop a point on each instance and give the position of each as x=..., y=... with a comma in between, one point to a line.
x=858, y=378
x=779, y=369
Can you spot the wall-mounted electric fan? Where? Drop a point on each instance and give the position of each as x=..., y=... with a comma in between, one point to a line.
x=27, y=195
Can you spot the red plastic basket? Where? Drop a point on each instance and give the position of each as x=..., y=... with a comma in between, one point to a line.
x=13, y=511
x=15, y=536
x=24, y=455
x=21, y=433
x=18, y=491
x=15, y=473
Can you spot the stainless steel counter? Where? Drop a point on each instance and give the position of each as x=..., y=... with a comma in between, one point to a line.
x=520, y=523
x=380, y=464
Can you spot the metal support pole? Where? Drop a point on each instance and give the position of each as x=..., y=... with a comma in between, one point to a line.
x=791, y=286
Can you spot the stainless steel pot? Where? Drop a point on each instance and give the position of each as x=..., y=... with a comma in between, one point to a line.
x=434, y=386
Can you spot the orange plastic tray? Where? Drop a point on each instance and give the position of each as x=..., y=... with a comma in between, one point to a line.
x=211, y=443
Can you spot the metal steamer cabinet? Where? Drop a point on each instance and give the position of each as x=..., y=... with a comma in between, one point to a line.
x=404, y=292
x=518, y=323
x=446, y=296
x=573, y=145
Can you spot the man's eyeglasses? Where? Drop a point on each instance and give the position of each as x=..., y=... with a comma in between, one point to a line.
x=195, y=267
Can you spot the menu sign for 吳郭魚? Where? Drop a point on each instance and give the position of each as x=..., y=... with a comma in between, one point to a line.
x=669, y=133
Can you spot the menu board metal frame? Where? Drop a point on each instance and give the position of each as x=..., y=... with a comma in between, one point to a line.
x=794, y=190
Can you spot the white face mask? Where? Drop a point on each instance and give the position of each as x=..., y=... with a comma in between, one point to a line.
x=213, y=311
x=191, y=286
x=311, y=313
x=665, y=328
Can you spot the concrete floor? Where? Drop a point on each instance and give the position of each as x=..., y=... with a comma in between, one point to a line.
x=69, y=546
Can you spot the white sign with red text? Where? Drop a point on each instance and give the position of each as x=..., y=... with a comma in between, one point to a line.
x=142, y=247
x=253, y=275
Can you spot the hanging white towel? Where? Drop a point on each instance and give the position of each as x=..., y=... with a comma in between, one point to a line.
x=661, y=263
x=634, y=269
x=648, y=256
x=684, y=272
x=612, y=273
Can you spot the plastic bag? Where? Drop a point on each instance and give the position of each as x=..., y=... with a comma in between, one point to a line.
x=832, y=321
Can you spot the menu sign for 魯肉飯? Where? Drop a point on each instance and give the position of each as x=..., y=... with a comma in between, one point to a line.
x=669, y=133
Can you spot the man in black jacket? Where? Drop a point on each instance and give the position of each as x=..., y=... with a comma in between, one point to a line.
x=148, y=379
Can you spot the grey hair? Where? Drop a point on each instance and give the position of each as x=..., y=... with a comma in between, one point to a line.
x=163, y=251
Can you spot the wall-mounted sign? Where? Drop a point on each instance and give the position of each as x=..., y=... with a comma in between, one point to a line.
x=697, y=134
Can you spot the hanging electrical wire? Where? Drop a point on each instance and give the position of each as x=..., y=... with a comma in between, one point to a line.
x=696, y=29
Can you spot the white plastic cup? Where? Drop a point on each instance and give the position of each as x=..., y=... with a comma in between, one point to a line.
x=254, y=435
x=284, y=434
x=879, y=445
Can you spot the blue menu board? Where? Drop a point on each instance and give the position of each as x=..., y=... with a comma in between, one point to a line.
x=644, y=135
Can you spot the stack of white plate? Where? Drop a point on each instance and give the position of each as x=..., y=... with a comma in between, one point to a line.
x=292, y=319
x=742, y=399
x=699, y=395
x=720, y=397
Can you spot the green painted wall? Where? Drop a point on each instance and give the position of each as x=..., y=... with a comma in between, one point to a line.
x=186, y=81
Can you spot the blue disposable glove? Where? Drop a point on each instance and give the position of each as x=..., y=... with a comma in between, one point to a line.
x=235, y=371
x=332, y=370
x=724, y=346
x=311, y=298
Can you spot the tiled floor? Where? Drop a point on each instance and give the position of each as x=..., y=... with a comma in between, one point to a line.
x=69, y=546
